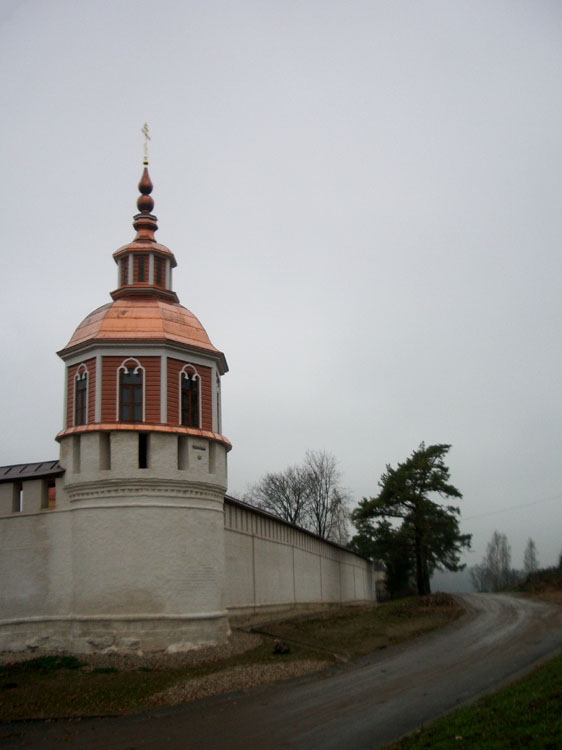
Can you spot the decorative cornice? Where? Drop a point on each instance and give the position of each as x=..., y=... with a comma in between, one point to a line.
x=91, y=346
x=178, y=488
x=144, y=427
x=148, y=291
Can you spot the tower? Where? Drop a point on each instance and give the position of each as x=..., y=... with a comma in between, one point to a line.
x=145, y=463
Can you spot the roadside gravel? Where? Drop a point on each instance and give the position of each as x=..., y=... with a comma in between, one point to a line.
x=240, y=678
x=234, y=679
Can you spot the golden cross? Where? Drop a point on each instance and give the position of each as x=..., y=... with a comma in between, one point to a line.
x=144, y=131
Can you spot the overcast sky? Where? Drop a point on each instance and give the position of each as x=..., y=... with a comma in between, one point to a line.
x=364, y=199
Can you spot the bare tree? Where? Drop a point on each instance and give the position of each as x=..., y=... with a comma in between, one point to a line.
x=326, y=505
x=284, y=494
x=309, y=495
x=530, y=560
x=494, y=572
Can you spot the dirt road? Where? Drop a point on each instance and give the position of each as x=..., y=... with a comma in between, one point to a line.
x=358, y=706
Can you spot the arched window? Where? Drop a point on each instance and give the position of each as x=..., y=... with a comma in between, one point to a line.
x=131, y=391
x=81, y=396
x=189, y=397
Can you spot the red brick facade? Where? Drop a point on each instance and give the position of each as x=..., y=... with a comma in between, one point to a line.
x=174, y=368
x=90, y=365
x=151, y=366
x=110, y=366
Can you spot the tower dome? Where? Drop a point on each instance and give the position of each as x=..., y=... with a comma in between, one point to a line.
x=143, y=319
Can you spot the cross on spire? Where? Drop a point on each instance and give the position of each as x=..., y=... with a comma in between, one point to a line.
x=144, y=131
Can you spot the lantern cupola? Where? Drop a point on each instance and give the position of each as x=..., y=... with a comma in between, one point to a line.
x=144, y=265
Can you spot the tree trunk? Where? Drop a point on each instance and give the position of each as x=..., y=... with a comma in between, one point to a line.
x=419, y=563
x=426, y=581
x=422, y=573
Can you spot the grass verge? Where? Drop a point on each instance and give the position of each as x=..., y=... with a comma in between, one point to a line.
x=356, y=631
x=524, y=715
x=56, y=686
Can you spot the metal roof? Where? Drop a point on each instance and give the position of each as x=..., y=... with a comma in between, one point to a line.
x=38, y=470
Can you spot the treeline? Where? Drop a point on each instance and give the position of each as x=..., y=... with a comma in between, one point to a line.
x=495, y=573
x=407, y=529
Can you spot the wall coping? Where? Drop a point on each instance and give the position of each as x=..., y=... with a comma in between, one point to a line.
x=229, y=500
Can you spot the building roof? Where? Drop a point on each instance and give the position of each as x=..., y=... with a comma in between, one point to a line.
x=142, y=319
x=38, y=470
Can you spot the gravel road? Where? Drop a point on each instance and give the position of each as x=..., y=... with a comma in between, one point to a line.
x=356, y=706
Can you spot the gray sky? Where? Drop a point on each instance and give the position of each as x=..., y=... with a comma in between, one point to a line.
x=364, y=201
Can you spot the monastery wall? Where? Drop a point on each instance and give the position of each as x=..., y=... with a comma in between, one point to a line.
x=272, y=565
x=129, y=569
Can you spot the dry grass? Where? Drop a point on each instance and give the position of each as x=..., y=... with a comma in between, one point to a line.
x=355, y=631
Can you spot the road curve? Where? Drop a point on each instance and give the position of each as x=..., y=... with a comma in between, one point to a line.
x=362, y=705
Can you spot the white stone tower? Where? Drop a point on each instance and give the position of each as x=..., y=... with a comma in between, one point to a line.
x=145, y=464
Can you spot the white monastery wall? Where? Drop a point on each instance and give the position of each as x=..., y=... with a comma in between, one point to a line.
x=271, y=564
x=152, y=564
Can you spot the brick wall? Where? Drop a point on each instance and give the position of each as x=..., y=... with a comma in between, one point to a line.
x=151, y=367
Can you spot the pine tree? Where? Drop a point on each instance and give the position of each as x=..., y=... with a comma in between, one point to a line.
x=432, y=529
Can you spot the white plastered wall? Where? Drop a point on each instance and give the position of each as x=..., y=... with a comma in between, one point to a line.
x=271, y=565
x=130, y=559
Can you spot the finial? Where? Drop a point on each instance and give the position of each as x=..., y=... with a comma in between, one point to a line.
x=144, y=131
x=145, y=203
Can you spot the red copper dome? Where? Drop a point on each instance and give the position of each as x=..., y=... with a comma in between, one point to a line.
x=147, y=319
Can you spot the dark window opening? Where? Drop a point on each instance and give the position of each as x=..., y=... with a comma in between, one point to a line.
x=17, y=497
x=183, y=454
x=105, y=451
x=159, y=271
x=81, y=405
x=130, y=395
x=76, y=454
x=143, y=450
x=190, y=400
x=124, y=271
x=141, y=268
x=51, y=493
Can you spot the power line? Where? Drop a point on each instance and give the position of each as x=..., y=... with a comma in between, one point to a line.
x=513, y=507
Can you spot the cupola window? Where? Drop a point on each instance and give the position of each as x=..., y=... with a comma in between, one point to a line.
x=189, y=397
x=131, y=392
x=124, y=271
x=81, y=396
x=141, y=268
x=159, y=271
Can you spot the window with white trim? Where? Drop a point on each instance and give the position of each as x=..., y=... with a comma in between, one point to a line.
x=131, y=391
x=81, y=396
x=190, y=397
